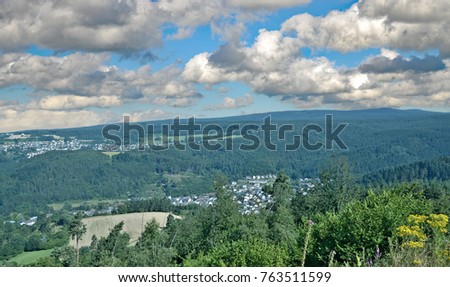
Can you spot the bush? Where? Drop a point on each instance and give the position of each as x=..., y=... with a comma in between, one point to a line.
x=360, y=232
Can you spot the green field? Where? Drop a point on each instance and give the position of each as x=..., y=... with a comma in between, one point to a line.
x=26, y=258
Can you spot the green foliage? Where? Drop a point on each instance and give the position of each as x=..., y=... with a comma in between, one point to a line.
x=335, y=189
x=110, y=251
x=43, y=235
x=282, y=229
x=151, y=249
x=435, y=169
x=423, y=241
x=65, y=256
x=241, y=253
x=364, y=228
x=361, y=233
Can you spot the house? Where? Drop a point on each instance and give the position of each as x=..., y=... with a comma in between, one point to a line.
x=29, y=222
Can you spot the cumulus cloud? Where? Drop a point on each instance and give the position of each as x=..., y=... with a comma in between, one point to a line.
x=273, y=66
x=270, y=66
x=82, y=80
x=105, y=25
x=71, y=102
x=230, y=103
x=411, y=25
x=124, y=26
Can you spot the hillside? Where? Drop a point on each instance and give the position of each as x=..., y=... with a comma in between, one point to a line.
x=436, y=169
x=377, y=140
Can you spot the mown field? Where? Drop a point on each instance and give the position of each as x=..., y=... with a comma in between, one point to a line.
x=134, y=225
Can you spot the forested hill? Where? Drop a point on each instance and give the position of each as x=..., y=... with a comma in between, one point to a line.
x=388, y=114
x=379, y=141
x=436, y=169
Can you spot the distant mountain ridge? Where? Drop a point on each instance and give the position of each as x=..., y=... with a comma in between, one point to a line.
x=379, y=113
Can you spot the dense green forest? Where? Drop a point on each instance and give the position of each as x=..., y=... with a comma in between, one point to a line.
x=436, y=169
x=384, y=147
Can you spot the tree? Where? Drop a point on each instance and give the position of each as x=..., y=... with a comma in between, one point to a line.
x=282, y=228
x=76, y=230
x=363, y=228
x=221, y=222
x=243, y=253
x=112, y=250
x=336, y=188
x=151, y=248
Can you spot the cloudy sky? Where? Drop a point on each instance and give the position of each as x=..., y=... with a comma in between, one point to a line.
x=67, y=63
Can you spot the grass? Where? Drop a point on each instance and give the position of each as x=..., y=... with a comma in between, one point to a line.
x=134, y=224
x=26, y=258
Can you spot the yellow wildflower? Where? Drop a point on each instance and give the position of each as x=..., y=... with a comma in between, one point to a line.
x=411, y=231
x=438, y=221
x=414, y=244
x=417, y=219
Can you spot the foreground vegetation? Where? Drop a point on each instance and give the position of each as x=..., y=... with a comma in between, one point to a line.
x=336, y=224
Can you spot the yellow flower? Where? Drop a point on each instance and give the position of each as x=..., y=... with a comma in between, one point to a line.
x=438, y=221
x=414, y=244
x=417, y=219
x=411, y=231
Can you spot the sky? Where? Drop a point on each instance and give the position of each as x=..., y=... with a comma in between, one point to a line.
x=70, y=63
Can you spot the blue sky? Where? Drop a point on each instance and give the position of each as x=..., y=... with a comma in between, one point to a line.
x=73, y=64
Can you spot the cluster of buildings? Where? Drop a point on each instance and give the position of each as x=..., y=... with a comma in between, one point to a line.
x=31, y=148
x=202, y=200
x=91, y=212
x=307, y=184
x=29, y=222
x=247, y=193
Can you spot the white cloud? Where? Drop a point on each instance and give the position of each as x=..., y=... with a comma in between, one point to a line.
x=71, y=102
x=230, y=103
x=152, y=114
x=273, y=66
x=105, y=25
x=82, y=80
x=412, y=25
x=125, y=26
x=15, y=118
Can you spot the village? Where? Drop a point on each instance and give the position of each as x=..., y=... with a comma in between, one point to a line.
x=31, y=147
x=248, y=193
